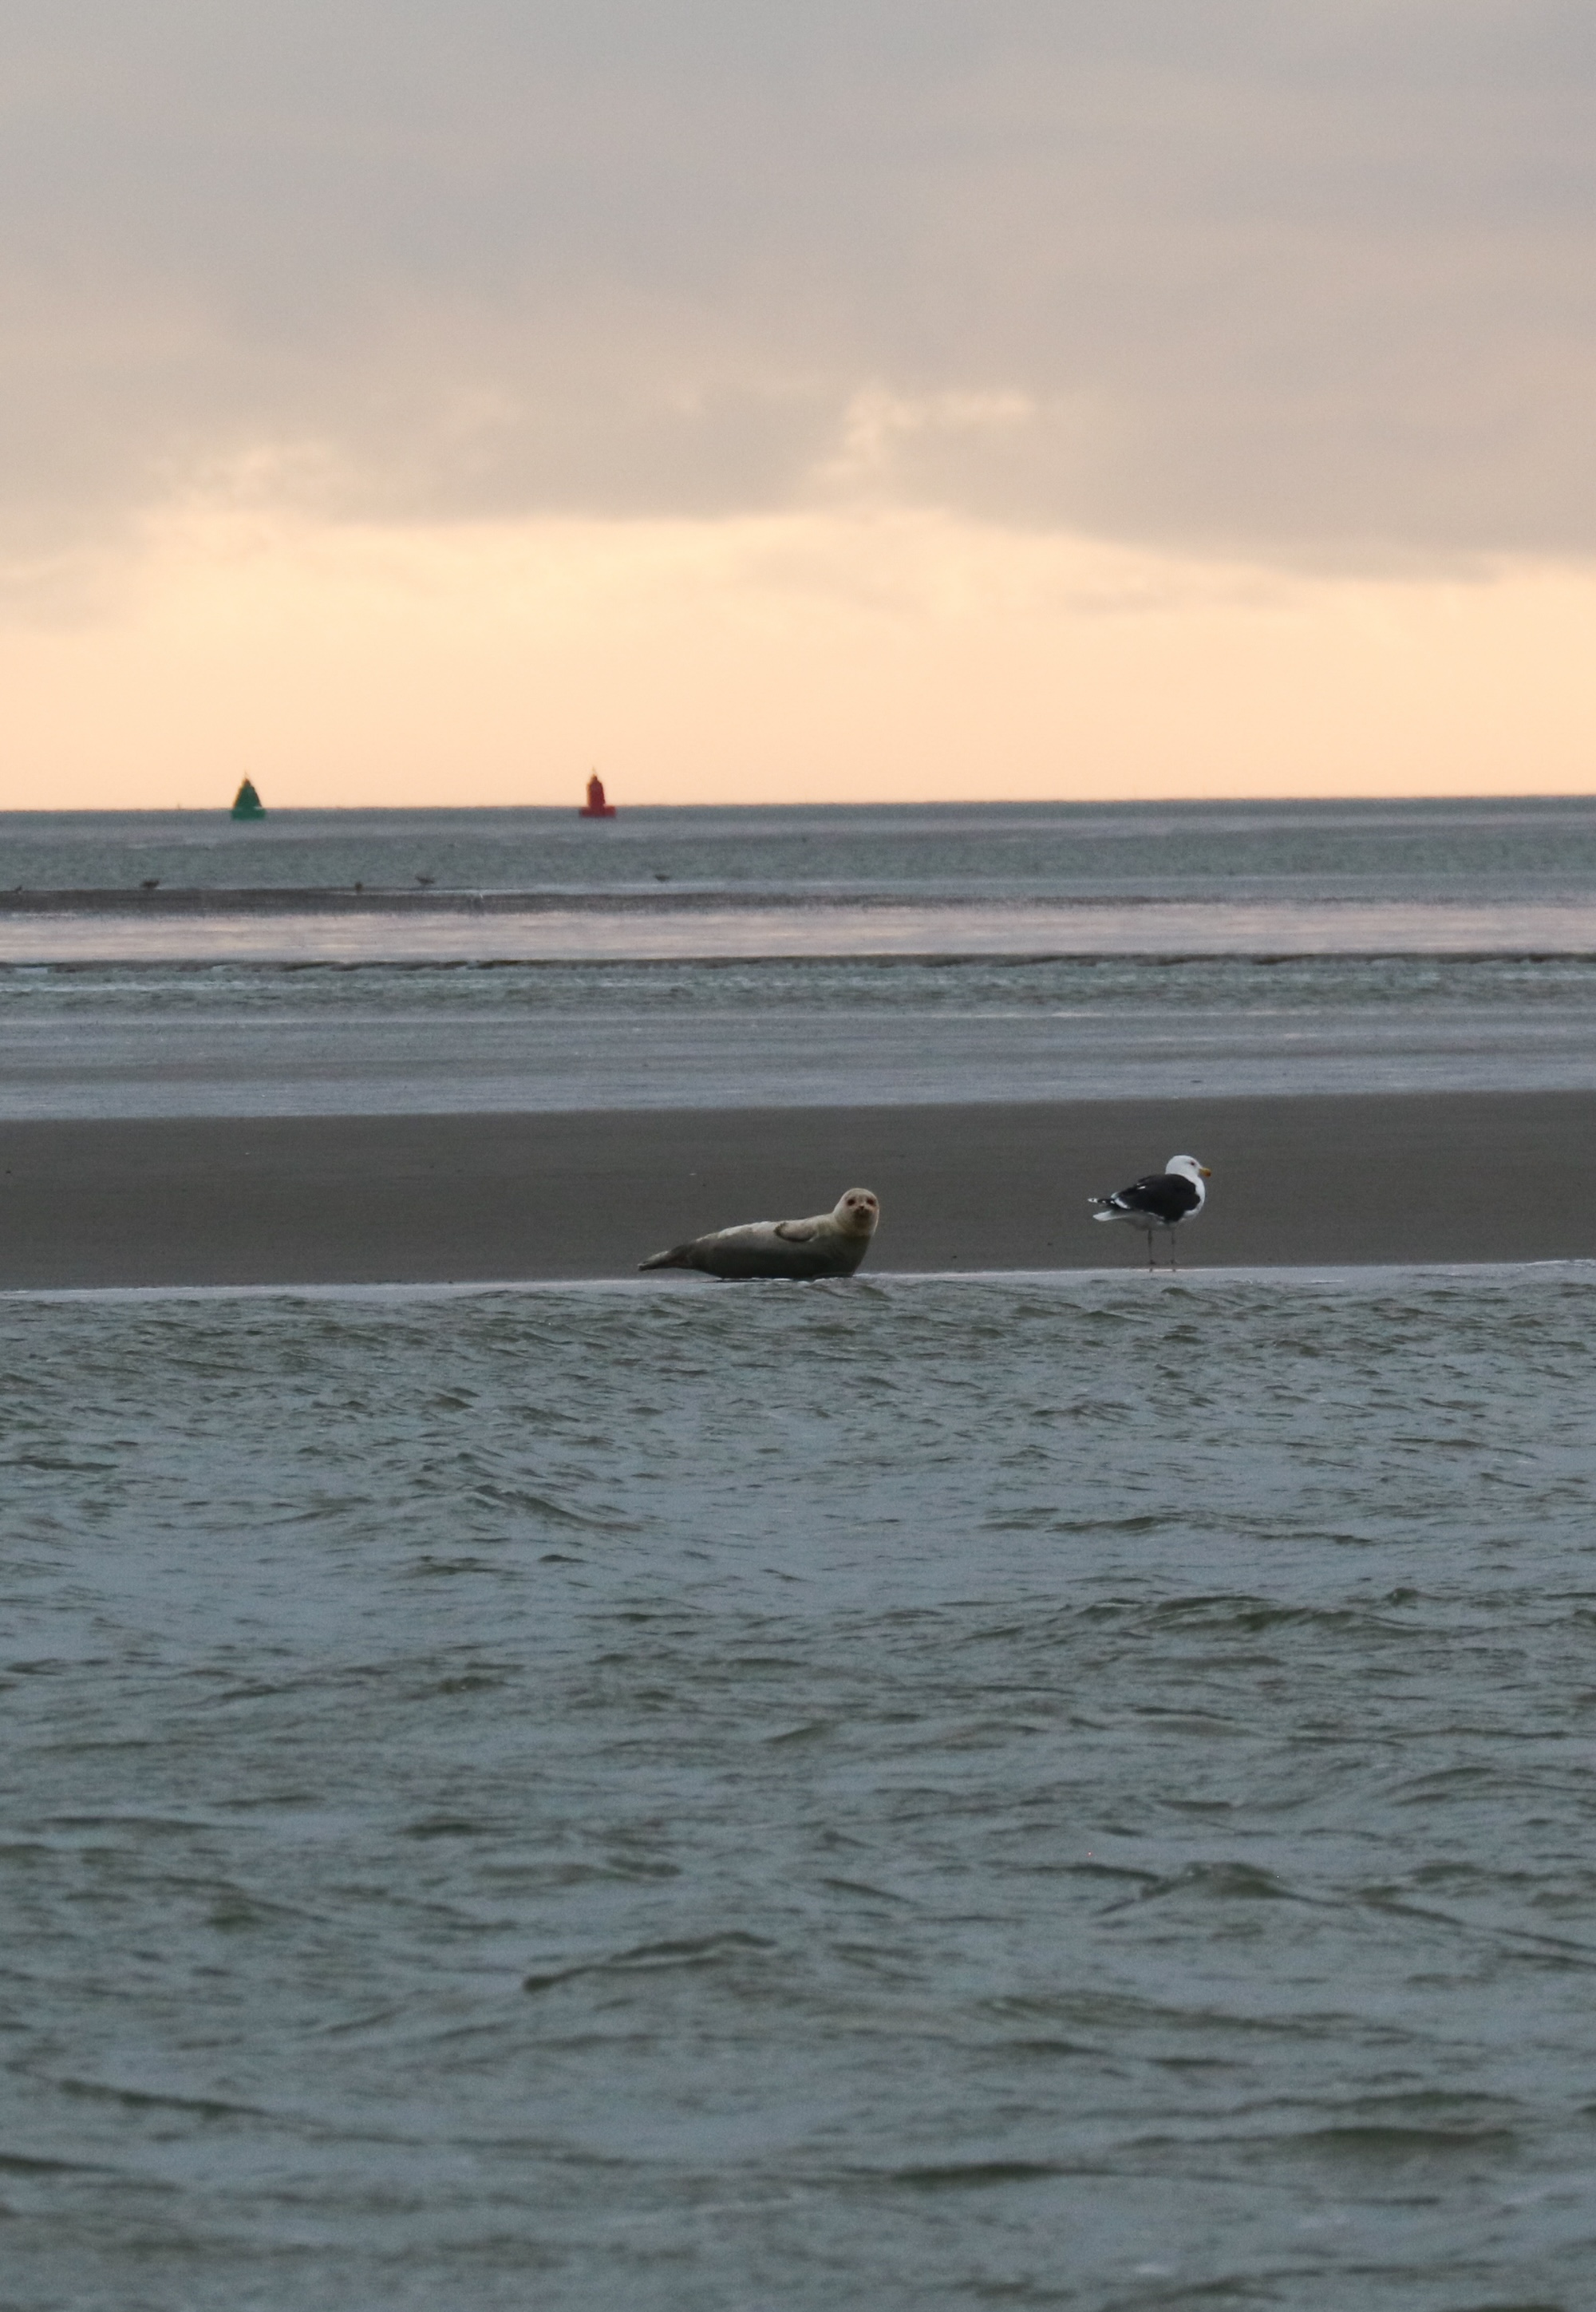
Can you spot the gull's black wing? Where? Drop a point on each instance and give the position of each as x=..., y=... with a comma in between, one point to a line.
x=1166, y=1196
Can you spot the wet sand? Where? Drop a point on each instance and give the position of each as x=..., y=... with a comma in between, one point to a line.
x=410, y=1199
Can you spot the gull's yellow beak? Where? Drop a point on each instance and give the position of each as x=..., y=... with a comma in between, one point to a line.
x=1206, y=1172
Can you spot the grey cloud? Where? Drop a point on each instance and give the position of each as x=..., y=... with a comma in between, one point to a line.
x=1223, y=273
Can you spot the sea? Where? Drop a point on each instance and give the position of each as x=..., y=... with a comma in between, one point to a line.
x=1022, y=1790
x=397, y=962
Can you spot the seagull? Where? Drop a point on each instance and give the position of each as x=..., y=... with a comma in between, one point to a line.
x=1159, y=1200
x=831, y=1244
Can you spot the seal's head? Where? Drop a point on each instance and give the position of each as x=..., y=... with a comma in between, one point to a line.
x=856, y=1213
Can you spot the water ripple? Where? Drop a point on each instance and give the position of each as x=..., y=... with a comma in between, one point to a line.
x=488, y=1810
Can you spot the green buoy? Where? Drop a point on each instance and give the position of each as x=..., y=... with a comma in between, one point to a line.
x=246, y=803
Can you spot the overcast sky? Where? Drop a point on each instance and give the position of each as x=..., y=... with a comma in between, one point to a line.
x=1229, y=272
x=1310, y=286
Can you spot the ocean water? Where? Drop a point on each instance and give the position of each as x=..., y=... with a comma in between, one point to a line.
x=1530, y=850
x=675, y=886
x=1015, y=1791
x=987, y=1792
x=718, y=958
x=157, y=1040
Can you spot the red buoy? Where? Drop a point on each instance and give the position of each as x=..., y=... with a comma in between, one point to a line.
x=595, y=807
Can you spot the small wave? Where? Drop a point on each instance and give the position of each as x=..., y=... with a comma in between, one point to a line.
x=131, y=2099
x=644, y=1958
x=1225, y=1882
x=1384, y=2143
x=968, y=2174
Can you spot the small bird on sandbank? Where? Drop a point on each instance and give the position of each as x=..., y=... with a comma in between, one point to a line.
x=831, y=1244
x=1159, y=1200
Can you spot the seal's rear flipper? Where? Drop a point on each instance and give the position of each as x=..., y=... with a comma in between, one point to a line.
x=679, y=1256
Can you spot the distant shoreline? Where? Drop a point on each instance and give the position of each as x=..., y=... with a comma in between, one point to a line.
x=343, y=899
x=1354, y=1179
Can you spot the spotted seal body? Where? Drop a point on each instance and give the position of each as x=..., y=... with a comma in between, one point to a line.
x=831, y=1244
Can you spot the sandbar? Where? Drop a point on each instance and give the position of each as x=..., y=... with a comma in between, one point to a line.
x=325, y=1200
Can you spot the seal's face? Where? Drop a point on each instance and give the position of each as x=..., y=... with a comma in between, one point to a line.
x=858, y=1211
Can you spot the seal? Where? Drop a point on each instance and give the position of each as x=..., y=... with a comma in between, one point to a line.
x=831, y=1244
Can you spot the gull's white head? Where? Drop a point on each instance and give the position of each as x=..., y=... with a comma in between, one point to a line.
x=856, y=1210
x=1188, y=1167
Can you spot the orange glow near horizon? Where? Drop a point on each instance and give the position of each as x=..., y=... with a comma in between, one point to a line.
x=817, y=657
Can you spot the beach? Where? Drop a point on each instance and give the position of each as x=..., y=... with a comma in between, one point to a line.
x=1360, y=1180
